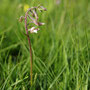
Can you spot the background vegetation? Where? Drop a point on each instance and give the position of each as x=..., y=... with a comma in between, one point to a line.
x=61, y=49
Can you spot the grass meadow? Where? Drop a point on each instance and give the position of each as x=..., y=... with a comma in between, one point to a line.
x=61, y=49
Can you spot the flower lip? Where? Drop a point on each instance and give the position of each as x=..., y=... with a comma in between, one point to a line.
x=33, y=30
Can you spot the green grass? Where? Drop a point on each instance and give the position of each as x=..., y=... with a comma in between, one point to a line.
x=61, y=49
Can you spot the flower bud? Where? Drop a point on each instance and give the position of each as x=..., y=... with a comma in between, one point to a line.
x=21, y=19
x=40, y=24
x=43, y=8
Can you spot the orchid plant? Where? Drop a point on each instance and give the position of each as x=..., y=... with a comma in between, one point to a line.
x=31, y=13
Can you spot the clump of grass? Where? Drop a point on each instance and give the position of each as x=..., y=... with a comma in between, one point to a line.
x=33, y=16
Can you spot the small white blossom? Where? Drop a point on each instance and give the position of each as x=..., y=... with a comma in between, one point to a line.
x=33, y=30
x=41, y=23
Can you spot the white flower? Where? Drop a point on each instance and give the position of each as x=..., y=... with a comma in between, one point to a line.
x=33, y=30
x=41, y=23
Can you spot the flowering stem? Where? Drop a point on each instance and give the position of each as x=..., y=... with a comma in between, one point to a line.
x=34, y=19
x=29, y=42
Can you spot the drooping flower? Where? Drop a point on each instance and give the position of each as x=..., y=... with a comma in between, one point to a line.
x=33, y=30
x=21, y=18
x=41, y=8
x=40, y=23
x=35, y=21
x=35, y=14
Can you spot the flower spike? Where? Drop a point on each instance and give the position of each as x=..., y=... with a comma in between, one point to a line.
x=33, y=16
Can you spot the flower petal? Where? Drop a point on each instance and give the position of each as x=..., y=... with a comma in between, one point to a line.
x=43, y=8
x=33, y=30
x=35, y=14
x=40, y=24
